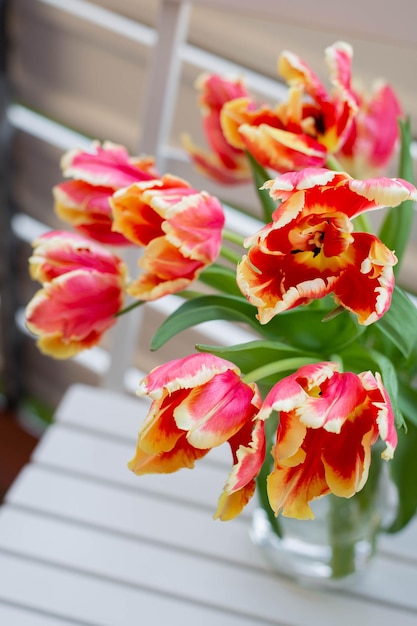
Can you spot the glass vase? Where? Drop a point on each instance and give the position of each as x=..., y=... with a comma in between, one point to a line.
x=335, y=548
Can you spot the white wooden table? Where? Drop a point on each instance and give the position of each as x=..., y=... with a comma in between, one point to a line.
x=85, y=542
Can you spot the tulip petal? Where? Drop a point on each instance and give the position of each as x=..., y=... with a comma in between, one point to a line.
x=366, y=287
x=224, y=162
x=108, y=164
x=347, y=478
x=281, y=150
x=216, y=411
x=290, y=489
x=230, y=505
x=93, y=300
x=87, y=208
x=132, y=214
x=328, y=422
x=183, y=455
x=185, y=373
x=248, y=448
x=195, y=226
x=384, y=414
x=384, y=191
x=211, y=165
x=59, y=252
x=159, y=433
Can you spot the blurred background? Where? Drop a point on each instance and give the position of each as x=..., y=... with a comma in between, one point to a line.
x=73, y=70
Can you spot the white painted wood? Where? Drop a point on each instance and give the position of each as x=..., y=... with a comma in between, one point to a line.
x=216, y=584
x=402, y=544
x=160, y=94
x=144, y=515
x=96, y=601
x=141, y=514
x=17, y=616
x=78, y=510
x=113, y=414
x=105, y=459
x=104, y=410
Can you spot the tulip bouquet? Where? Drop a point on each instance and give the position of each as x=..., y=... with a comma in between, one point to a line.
x=330, y=375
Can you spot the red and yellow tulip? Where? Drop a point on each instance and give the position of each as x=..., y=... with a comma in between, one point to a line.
x=368, y=149
x=310, y=249
x=223, y=162
x=328, y=422
x=179, y=227
x=303, y=131
x=200, y=402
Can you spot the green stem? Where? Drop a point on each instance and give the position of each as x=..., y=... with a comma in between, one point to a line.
x=342, y=523
x=277, y=367
x=233, y=237
x=261, y=481
x=349, y=517
x=230, y=255
x=259, y=176
x=130, y=307
x=362, y=223
x=333, y=164
x=189, y=294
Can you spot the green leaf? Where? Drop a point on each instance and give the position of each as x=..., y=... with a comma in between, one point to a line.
x=221, y=278
x=389, y=377
x=304, y=328
x=260, y=175
x=205, y=309
x=261, y=481
x=403, y=468
x=262, y=354
x=357, y=358
x=396, y=227
x=407, y=400
x=399, y=324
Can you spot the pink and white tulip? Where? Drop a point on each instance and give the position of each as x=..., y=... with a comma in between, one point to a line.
x=82, y=290
x=84, y=201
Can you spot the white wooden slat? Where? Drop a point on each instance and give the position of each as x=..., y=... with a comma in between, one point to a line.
x=227, y=588
x=90, y=601
x=16, y=616
x=113, y=414
x=106, y=459
x=108, y=20
x=402, y=544
x=142, y=515
x=164, y=77
x=104, y=410
x=160, y=94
